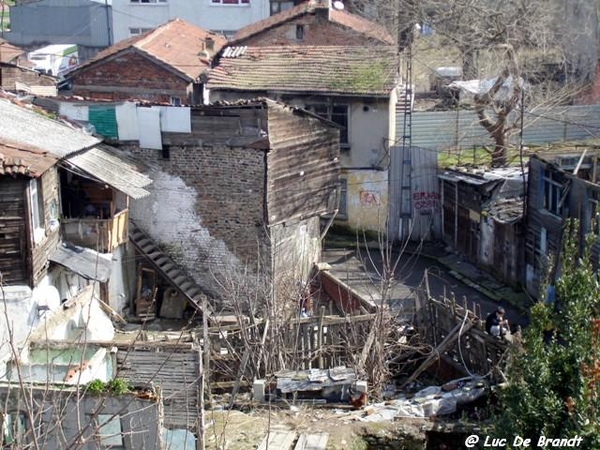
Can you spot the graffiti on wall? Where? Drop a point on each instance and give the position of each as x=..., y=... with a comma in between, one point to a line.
x=426, y=201
x=370, y=198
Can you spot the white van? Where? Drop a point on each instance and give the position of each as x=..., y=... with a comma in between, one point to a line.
x=55, y=60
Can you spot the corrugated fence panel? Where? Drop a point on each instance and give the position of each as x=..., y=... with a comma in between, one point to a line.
x=425, y=194
x=441, y=130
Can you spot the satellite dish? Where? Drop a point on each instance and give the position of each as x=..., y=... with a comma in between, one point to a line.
x=338, y=5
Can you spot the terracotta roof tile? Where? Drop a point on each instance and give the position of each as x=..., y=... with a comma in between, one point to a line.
x=19, y=159
x=357, y=23
x=177, y=43
x=308, y=69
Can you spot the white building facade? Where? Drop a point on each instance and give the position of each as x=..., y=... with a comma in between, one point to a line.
x=133, y=17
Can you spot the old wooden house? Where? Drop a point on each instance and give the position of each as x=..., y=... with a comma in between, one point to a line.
x=244, y=190
x=354, y=87
x=482, y=219
x=63, y=207
x=162, y=65
x=561, y=187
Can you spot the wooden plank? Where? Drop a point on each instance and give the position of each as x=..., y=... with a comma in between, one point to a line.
x=312, y=441
x=278, y=440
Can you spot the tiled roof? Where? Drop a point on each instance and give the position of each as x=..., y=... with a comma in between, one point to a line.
x=8, y=52
x=18, y=159
x=308, y=69
x=357, y=23
x=177, y=44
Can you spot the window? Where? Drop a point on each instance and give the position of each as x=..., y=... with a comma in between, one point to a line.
x=300, y=32
x=232, y=2
x=175, y=101
x=109, y=432
x=552, y=199
x=137, y=31
x=14, y=427
x=279, y=6
x=35, y=203
x=343, y=207
x=148, y=1
x=337, y=114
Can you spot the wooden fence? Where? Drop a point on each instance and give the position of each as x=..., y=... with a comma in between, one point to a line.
x=455, y=329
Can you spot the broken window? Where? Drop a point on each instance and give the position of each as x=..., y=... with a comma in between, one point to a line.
x=552, y=192
x=335, y=113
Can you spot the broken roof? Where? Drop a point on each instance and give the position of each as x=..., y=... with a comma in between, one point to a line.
x=337, y=70
x=343, y=18
x=177, y=44
x=17, y=159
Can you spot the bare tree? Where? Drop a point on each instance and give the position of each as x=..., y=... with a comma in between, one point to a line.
x=545, y=44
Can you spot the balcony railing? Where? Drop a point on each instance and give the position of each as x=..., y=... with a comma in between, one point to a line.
x=102, y=235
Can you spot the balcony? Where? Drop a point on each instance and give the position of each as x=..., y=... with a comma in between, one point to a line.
x=102, y=235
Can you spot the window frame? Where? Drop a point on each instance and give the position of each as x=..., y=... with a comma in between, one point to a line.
x=230, y=2
x=343, y=203
x=328, y=112
x=36, y=207
x=141, y=30
x=21, y=431
x=112, y=439
x=552, y=193
x=148, y=2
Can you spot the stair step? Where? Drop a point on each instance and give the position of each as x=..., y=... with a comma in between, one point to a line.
x=181, y=278
x=174, y=273
x=169, y=266
x=186, y=285
x=161, y=260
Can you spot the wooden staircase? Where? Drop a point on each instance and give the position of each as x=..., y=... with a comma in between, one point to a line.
x=166, y=267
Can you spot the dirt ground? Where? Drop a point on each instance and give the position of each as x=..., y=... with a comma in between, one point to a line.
x=235, y=430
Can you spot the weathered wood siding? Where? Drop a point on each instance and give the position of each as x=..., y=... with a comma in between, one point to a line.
x=50, y=201
x=13, y=245
x=175, y=368
x=303, y=165
x=11, y=74
x=544, y=233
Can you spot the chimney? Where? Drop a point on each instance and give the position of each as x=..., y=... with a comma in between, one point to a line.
x=321, y=8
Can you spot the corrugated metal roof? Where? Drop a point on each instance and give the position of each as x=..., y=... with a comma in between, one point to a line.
x=340, y=70
x=83, y=261
x=113, y=168
x=27, y=128
x=20, y=160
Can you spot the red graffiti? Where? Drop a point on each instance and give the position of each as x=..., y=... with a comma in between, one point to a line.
x=369, y=198
x=426, y=200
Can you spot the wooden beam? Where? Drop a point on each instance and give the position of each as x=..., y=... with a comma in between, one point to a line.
x=457, y=331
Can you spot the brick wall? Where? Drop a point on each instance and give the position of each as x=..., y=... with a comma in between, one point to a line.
x=317, y=30
x=206, y=205
x=130, y=75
